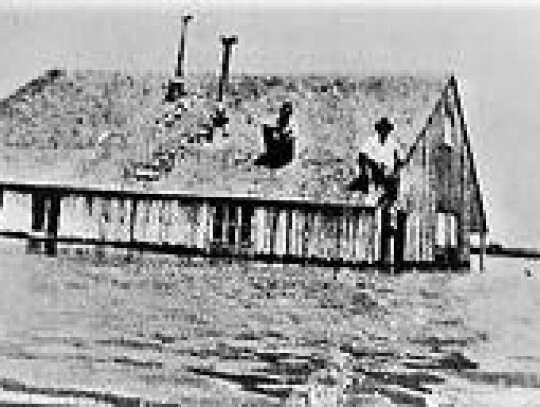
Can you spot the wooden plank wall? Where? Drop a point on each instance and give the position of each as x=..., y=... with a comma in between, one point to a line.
x=419, y=193
x=454, y=185
x=212, y=226
x=437, y=179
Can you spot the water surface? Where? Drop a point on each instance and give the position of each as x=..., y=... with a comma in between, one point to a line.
x=200, y=332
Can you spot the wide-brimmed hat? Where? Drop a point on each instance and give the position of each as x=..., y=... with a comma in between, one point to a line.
x=383, y=125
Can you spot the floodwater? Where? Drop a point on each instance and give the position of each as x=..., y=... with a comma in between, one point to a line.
x=81, y=330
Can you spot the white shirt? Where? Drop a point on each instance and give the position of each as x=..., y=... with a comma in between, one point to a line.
x=385, y=154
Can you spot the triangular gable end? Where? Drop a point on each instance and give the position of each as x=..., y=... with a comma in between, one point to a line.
x=439, y=177
x=476, y=225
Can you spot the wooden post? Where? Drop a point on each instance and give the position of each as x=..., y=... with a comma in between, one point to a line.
x=38, y=219
x=101, y=233
x=423, y=206
x=201, y=222
x=288, y=232
x=237, y=228
x=274, y=217
x=352, y=235
x=324, y=236
x=53, y=222
x=281, y=232
x=400, y=239
x=79, y=210
x=132, y=220
x=309, y=226
x=338, y=255
x=219, y=219
x=482, y=249
x=292, y=232
x=386, y=237
x=305, y=233
x=346, y=251
x=38, y=211
x=121, y=229
x=153, y=230
x=297, y=232
x=209, y=225
x=112, y=230
x=375, y=235
x=358, y=237
x=315, y=230
x=247, y=235
x=225, y=236
x=268, y=230
x=258, y=229
x=145, y=219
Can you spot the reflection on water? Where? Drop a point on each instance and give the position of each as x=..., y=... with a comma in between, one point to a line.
x=203, y=332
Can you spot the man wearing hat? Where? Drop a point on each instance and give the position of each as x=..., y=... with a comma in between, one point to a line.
x=378, y=159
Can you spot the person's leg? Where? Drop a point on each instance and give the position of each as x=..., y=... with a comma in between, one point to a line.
x=378, y=175
x=391, y=189
x=364, y=173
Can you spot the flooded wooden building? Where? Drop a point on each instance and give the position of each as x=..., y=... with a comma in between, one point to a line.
x=217, y=200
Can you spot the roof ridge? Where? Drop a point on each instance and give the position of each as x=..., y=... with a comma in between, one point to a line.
x=425, y=74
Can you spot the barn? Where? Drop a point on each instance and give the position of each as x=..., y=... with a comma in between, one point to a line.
x=215, y=199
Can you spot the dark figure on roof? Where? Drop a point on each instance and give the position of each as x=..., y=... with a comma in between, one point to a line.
x=220, y=121
x=218, y=127
x=286, y=125
x=280, y=140
x=378, y=160
x=173, y=114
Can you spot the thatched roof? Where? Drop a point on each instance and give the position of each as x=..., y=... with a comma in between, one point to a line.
x=68, y=111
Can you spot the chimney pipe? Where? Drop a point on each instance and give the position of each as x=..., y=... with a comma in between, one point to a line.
x=227, y=43
x=182, y=46
x=176, y=85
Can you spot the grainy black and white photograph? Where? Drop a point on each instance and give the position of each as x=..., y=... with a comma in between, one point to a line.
x=243, y=203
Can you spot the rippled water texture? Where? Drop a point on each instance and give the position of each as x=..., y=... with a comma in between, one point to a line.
x=200, y=332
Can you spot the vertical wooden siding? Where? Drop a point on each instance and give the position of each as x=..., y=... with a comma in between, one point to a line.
x=213, y=226
x=438, y=178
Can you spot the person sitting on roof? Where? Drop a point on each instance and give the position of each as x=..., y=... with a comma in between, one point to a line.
x=378, y=161
x=280, y=139
x=288, y=126
x=217, y=128
x=220, y=121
